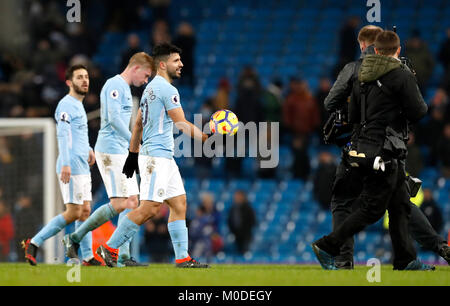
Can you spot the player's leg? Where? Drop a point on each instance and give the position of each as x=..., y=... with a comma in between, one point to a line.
x=128, y=227
x=178, y=231
x=72, y=212
x=125, y=259
x=132, y=202
x=87, y=254
x=109, y=166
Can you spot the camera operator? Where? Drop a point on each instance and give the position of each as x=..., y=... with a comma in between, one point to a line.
x=348, y=181
x=383, y=99
x=347, y=184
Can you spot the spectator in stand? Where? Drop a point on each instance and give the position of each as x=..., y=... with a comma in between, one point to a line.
x=348, y=43
x=422, y=59
x=431, y=210
x=273, y=100
x=203, y=164
x=323, y=180
x=414, y=159
x=428, y=133
x=160, y=9
x=80, y=40
x=6, y=231
x=441, y=101
x=160, y=33
x=185, y=39
x=134, y=46
x=321, y=94
x=300, y=110
x=157, y=238
x=241, y=220
x=247, y=108
x=301, y=166
x=26, y=222
x=443, y=148
x=221, y=100
x=248, y=100
x=204, y=229
x=444, y=57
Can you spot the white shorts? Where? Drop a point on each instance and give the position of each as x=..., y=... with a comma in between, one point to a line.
x=77, y=190
x=160, y=179
x=116, y=183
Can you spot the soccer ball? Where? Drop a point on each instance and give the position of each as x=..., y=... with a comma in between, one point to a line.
x=224, y=122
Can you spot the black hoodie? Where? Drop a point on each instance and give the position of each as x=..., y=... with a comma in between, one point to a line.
x=405, y=104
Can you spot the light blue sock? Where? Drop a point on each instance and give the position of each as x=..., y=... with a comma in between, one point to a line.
x=124, y=231
x=179, y=236
x=99, y=217
x=124, y=250
x=85, y=243
x=51, y=229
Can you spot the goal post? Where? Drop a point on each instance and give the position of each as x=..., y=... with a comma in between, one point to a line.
x=43, y=130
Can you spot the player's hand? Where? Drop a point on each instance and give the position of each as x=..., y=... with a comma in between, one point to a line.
x=131, y=164
x=65, y=174
x=91, y=159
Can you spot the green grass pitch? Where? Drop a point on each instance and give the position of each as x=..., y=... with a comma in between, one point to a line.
x=217, y=275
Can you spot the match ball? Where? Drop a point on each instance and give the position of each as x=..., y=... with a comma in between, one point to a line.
x=224, y=122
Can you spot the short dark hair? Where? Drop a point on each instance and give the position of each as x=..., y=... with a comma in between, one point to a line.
x=387, y=43
x=72, y=69
x=162, y=51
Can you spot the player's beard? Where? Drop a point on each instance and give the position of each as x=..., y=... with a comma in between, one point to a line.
x=79, y=90
x=173, y=74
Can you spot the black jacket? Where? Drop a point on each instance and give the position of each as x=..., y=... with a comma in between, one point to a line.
x=340, y=92
x=404, y=104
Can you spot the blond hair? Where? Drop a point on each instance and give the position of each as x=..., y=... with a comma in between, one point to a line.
x=142, y=59
x=369, y=33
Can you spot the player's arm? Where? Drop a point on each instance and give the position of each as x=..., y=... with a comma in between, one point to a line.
x=136, y=135
x=91, y=159
x=131, y=163
x=63, y=134
x=114, y=110
x=177, y=116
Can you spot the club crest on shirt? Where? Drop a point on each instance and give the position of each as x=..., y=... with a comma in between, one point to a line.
x=175, y=99
x=114, y=94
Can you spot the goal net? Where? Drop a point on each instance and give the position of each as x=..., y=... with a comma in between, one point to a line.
x=29, y=189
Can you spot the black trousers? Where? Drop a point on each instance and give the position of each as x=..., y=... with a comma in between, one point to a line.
x=346, y=188
x=380, y=191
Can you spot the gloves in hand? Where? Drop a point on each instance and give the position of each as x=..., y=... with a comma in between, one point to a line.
x=131, y=165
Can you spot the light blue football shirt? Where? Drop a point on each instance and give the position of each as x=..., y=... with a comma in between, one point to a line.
x=116, y=106
x=72, y=135
x=158, y=98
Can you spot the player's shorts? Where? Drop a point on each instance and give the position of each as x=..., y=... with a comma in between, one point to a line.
x=77, y=190
x=116, y=183
x=160, y=179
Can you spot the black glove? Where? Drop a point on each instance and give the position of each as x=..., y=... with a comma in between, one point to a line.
x=131, y=164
